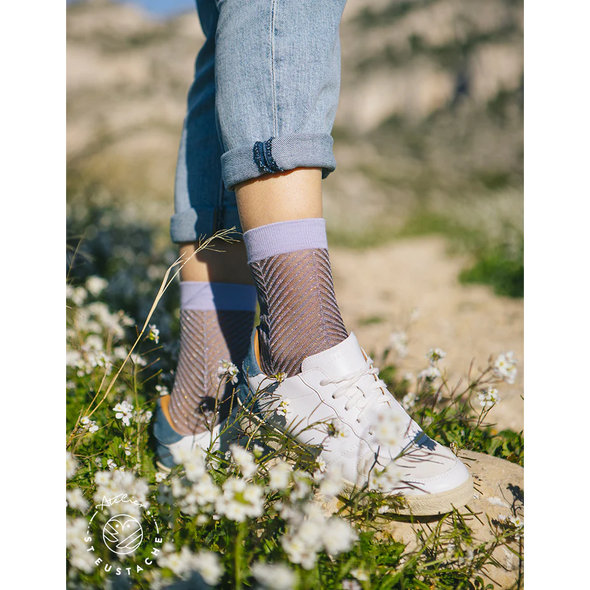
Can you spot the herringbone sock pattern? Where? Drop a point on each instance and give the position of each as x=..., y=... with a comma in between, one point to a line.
x=206, y=338
x=299, y=315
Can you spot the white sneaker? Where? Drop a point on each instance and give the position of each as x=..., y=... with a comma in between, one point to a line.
x=338, y=390
x=168, y=441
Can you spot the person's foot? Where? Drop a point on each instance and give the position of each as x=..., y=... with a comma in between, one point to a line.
x=169, y=441
x=338, y=408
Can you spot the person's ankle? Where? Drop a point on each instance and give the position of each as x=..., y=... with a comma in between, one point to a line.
x=164, y=404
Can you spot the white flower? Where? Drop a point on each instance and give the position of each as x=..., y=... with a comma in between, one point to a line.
x=257, y=450
x=240, y=500
x=299, y=551
x=206, y=491
x=283, y=408
x=80, y=558
x=351, y=585
x=488, y=398
x=97, y=315
x=337, y=429
x=71, y=465
x=77, y=295
x=409, y=401
x=181, y=563
x=386, y=480
x=505, y=367
x=111, y=464
x=274, y=576
x=280, y=377
x=154, y=333
x=121, y=482
x=96, y=285
x=398, y=341
x=434, y=355
x=193, y=460
x=303, y=539
x=360, y=575
x=88, y=424
x=76, y=499
x=279, y=475
x=338, y=536
x=75, y=532
x=162, y=390
x=227, y=368
x=208, y=565
x=124, y=412
x=321, y=464
x=389, y=428
x=120, y=353
x=309, y=532
x=142, y=416
x=137, y=359
x=102, y=478
x=517, y=522
x=332, y=482
x=160, y=476
x=73, y=358
x=302, y=486
x=429, y=374
x=243, y=459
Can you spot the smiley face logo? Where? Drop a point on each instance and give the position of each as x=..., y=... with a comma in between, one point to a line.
x=122, y=534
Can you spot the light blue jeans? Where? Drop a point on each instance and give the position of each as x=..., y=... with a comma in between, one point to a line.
x=263, y=100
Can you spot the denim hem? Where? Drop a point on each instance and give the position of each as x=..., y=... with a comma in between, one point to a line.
x=193, y=224
x=309, y=150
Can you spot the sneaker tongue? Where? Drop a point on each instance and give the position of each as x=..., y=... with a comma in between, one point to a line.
x=342, y=359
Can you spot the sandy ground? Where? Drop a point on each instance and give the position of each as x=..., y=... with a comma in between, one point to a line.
x=378, y=289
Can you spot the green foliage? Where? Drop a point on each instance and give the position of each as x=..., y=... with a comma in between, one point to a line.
x=504, y=273
x=498, y=259
x=452, y=417
x=101, y=331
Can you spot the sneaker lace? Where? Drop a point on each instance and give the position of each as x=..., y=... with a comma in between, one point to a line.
x=350, y=386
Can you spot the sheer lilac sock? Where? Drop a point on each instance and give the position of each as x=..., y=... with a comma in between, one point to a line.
x=299, y=314
x=216, y=321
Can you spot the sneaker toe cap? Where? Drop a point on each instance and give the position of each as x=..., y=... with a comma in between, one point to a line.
x=432, y=471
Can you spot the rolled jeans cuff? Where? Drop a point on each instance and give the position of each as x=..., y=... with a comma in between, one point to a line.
x=192, y=225
x=276, y=154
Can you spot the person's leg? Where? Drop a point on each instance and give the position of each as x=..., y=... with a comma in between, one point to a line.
x=217, y=308
x=276, y=99
x=288, y=254
x=277, y=85
x=217, y=298
x=283, y=196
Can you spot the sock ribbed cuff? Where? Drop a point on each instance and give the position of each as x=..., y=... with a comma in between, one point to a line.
x=206, y=296
x=284, y=237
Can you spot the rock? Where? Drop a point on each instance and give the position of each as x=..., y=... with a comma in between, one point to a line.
x=499, y=492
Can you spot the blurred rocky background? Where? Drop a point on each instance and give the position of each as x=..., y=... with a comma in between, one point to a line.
x=430, y=114
x=427, y=196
